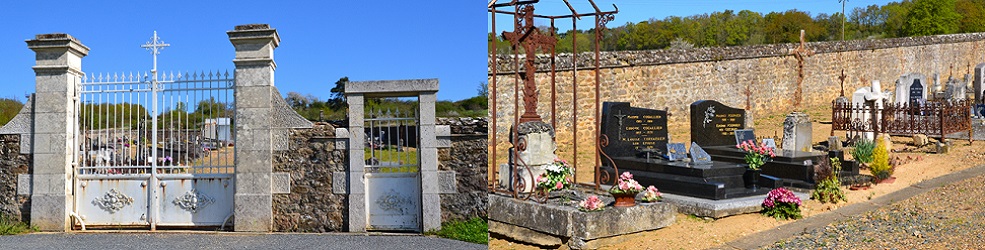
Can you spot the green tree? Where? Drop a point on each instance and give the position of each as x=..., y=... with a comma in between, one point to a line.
x=9, y=108
x=931, y=17
x=338, y=93
x=972, y=15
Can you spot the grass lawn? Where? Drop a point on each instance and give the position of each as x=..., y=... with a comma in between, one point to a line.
x=10, y=227
x=475, y=230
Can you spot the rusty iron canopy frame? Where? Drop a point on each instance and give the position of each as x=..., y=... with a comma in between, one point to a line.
x=525, y=9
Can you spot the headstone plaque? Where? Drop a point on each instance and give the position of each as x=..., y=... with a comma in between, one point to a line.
x=698, y=155
x=770, y=143
x=916, y=92
x=979, y=110
x=631, y=130
x=676, y=151
x=742, y=135
x=714, y=124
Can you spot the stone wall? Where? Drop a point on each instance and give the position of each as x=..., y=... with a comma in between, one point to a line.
x=674, y=79
x=12, y=164
x=467, y=157
x=312, y=206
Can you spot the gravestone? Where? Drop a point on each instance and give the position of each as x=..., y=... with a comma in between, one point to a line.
x=954, y=90
x=742, y=135
x=698, y=155
x=797, y=132
x=714, y=124
x=979, y=80
x=770, y=143
x=676, y=151
x=910, y=88
x=632, y=130
x=979, y=110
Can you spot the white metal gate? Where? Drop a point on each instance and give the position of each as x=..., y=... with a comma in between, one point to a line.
x=393, y=176
x=155, y=152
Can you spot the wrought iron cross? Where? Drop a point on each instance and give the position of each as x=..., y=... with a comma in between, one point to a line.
x=155, y=45
x=842, y=78
x=800, y=52
x=525, y=34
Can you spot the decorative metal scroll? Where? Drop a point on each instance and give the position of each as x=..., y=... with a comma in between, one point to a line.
x=113, y=201
x=193, y=201
x=393, y=201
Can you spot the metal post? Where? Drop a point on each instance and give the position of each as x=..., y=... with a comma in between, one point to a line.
x=154, y=46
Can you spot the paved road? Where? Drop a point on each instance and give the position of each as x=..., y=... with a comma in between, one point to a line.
x=169, y=240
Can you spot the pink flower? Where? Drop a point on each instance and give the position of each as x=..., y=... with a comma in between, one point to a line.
x=591, y=203
x=539, y=179
x=626, y=176
x=623, y=185
x=559, y=185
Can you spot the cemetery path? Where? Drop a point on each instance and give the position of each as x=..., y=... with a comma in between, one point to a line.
x=185, y=240
x=948, y=214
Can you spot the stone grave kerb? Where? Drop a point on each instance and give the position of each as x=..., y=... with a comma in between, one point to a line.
x=58, y=72
x=426, y=92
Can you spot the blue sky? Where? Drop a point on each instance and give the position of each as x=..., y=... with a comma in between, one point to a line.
x=642, y=10
x=321, y=41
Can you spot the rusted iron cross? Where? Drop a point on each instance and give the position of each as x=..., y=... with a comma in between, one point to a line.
x=800, y=52
x=842, y=78
x=526, y=35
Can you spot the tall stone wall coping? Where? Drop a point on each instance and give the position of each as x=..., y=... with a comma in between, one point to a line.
x=616, y=59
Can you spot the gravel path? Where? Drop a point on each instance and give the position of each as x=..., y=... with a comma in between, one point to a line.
x=948, y=217
x=167, y=240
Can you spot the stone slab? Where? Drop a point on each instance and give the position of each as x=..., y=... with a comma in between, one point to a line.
x=339, y=183
x=280, y=183
x=23, y=184
x=341, y=138
x=392, y=88
x=254, y=212
x=720, y=208
x=568, y=222
x=447, y=183
x=443, y=135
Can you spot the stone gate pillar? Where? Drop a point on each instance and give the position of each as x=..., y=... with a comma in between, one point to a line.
x=58, y=75
x=255, y=44
x=357, y=181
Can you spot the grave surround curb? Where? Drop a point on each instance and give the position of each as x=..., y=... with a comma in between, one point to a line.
x=765, y=238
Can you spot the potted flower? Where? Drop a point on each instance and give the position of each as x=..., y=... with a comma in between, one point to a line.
x=625, y=190
x=781, y=203
x=592, y=203
x=756, y=156
x=557, y=176
x=652, y=195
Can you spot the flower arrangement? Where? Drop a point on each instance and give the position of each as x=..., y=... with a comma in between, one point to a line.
x=652, y=195
x=626, y=185
x=556, y=177
x=781, y=203
x=862, y=151
x=592, y=203
x=756, y=155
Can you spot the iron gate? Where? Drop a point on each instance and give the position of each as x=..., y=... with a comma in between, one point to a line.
x=393, y=176
x=155, y=153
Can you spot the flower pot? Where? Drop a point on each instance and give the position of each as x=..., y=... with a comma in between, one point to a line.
x=624, y=199
x=751, y=178
x=889, y=180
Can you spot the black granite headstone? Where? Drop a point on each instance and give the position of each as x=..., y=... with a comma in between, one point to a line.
x=633, y=130
x=742, y=135
x=714, y=124
x=916, y=91
x=979, y=110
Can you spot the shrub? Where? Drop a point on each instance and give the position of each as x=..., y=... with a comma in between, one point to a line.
x=781, y=203
x=862, y=152
x=880, y=167
x=828, y=188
